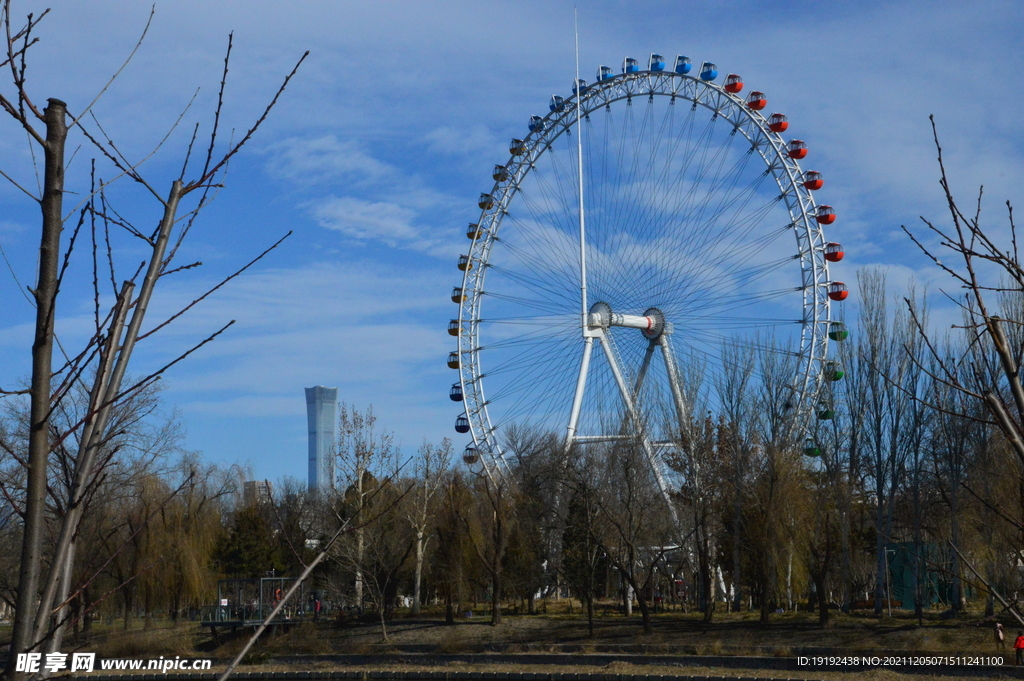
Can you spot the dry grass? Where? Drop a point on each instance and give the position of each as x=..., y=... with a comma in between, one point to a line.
x=675, y=634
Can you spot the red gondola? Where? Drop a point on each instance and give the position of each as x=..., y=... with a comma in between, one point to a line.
x=797, y=149
x=757, y=101
x=813, y=180
x=834, y=252
x=837, y=291
x=826, y=215
x=733, y=83
x=778, y=122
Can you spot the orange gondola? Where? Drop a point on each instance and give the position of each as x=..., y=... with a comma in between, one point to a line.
x=826, y=215
x=778, y=122
x=834, y=252
x=838, y=291
x=813, y=180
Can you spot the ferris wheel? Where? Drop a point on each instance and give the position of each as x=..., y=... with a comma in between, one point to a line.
x=651, y=232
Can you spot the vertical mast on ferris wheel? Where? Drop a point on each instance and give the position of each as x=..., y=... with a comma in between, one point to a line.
x=588, y=340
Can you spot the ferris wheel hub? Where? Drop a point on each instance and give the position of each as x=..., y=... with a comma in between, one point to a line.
x=651, y=323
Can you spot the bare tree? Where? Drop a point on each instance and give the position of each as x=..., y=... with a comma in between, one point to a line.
x=987, y=270
x=366, y=453
x=101, y=366
x=431, y=470
x=633, y=526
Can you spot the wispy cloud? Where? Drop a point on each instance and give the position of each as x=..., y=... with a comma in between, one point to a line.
x=324, y=159
x=367, y=220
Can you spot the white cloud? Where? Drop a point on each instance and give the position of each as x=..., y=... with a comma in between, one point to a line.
x=449, y=140
x=324, y=159
x=367, y=220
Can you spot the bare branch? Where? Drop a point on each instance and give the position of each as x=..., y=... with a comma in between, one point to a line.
x=234, y=150
x=149, y=20
x=223, y=281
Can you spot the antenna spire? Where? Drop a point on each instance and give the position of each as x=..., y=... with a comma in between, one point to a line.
x=579, y=167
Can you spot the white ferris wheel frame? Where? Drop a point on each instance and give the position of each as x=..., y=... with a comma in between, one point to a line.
x=788, y=175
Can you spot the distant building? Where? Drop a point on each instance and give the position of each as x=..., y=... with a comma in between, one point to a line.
x=321, y=413
x=255, y=492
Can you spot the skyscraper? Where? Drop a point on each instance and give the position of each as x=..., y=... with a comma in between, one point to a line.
x=321, y=412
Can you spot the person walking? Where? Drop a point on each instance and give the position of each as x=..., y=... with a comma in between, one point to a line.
x=1000, y=638
x=1018, y=646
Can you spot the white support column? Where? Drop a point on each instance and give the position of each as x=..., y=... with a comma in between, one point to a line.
x=577, y=400
x=675, y=383
x=643, y=369
x=627, y=398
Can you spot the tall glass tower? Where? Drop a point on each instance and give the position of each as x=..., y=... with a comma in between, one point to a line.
x=321, y=413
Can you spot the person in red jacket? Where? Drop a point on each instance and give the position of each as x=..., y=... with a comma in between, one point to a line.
x=1018, y=646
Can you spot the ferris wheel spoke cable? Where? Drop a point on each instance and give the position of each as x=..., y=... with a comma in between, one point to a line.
x=731, y=231
x=536, y=260
x=738, y=265
x=531, y=338
x=523, y=394
x=549, y=292
x=527, y=302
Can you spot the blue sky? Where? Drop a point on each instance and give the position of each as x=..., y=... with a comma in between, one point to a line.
x=378, y=150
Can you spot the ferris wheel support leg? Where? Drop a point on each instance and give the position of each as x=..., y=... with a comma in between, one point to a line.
x=643, y=369
x=652, y=457
x=581, y=384
x=674, y=383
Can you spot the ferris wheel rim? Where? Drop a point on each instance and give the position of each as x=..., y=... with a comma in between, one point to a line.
x=770, y=146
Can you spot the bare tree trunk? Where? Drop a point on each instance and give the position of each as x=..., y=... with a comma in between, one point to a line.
x=496, y=595
x=45, y=295
x=737, y=573
x=418, y=579
x=846, y=573
x=645, y=612
x=116, y=355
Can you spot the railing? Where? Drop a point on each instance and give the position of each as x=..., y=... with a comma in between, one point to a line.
x=248, y=613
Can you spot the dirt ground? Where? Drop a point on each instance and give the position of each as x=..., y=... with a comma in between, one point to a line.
x=741, y=634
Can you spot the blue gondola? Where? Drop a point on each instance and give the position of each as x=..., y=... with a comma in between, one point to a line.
x=462, y=424
x=656, y=63
x=557, y=103
x=708, y=71
x=630, y=65
x=579, y=86
x=455, y=394
x=604, y=73
x=536, y=123
x=683, y=64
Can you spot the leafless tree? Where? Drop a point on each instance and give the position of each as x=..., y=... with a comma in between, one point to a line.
x=366, y=453
x=632, y=524
x=984, y=264
x=101, y=366
x=431, y=471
